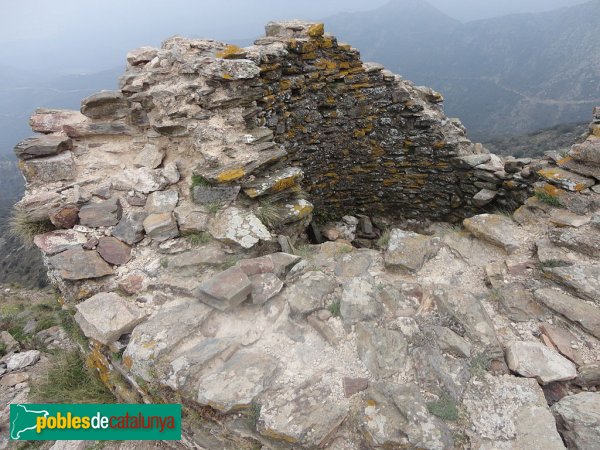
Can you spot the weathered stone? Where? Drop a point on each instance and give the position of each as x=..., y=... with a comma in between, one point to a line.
x=564, y=218
x=9, y=342
x=39, y=146
x=578, y=419
x=57, y=241
x=21, y=360
x=150, y=156
x=294, y=211
x=234, y=225
x=12, y=379
x=253, y=266
x=91, y=243
x=264, y=287
x=588, y=151
x=562, y=340
x=276, y=182
x=586, y=169
x=79, y=264
x=483, y=197
x=146, y=180
x=236, y=384
x=308, y=293
x=136, y=199
x=161, y=202
x=565, y=179
x=409, y=250
x=578, y=240
x=65, y=217
x=550, y=255
x=219, y=195
x=584, y=281
x=191, y=219
x=535, y=360
x=354, y=385
x=142, y=55
x=105, y=317
x=206, y=255
x=283, y=262
x=588, y=375
x=113, y=251
x=130, y=228
x=475, y=160
x=105, y=213
x=353, y=264
x=161, y=227
x=359, y=302
x=50, y=169
x=518, y=303
x=574, y=309
x=54, y=120
x=323, y=328
x=496, y=229
x=133, y=283
x=384, y=352
x=226, y=289
x=451, y=342
x=87, y=129
x=396, y=415
x=105, y=105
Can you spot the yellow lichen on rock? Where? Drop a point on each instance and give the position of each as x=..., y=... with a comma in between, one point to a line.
x=316, y=30
x=230, y=175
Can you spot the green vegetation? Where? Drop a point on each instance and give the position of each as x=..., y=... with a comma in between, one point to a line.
x=70, y=380
x=544, y=197
x=253, y=414
x=480, y=364
x=213, y=208
x=384, y=240
x=268, y=213
x=304, y=250
x=164, y=263
x=335, y=308
x=198, y=238
x=445, y=408
x=2, y=349
x=25, y=228
x=550, y=263
x=198, y=180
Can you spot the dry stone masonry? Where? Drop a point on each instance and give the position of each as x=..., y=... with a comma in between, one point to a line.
x=181, y=204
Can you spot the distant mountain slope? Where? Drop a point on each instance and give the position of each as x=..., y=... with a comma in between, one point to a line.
x=501, y=76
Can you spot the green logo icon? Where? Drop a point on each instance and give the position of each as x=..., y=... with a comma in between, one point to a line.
x=31, y=422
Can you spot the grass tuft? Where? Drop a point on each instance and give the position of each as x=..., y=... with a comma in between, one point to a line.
x=213, y=208
x=384, y=240
x=253, y=414
x=335, y=308
x=544, y=197
x=198, y=238
x=480, y=364
x=70, y=380
x=24, y=227
x=304, y=251
x=268, y=213
x=445, y=408
x=550, y=263
x=198, y=180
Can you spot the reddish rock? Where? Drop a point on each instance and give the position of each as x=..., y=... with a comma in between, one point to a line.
x=57, y=241
x=91, y=243
x=354, y=385
x=65, y=217
x=133, y=283
x=561, y=340
x=554, y=392
x=79, y=264
x=114, y=251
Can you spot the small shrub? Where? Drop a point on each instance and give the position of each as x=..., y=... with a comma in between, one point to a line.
x=550, y=263
x=445, y=408
x=384, y=240
x=544, y=197
x=268, y=213
x=164, y=263
x=335, y=308
x=196, y=239
x=2, y=349
x=70, y=380
x=480, y=364
x=213, y=208
x=25, y=228
x=198, y=180
x=67, y=322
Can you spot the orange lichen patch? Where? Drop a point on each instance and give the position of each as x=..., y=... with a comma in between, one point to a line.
x=251, y=192
x=227, y=76
x=326, y=42
x=326, y=64
x=361, y=85
x=284, y=85
x=316, y=30
x=270, y=433
x=564, y=160
x=231, y=52
x=439, y=144
x=127, y=362
x=407, y=143
x=284, y=183
x=96, y=360
x=302, y=210
x=559, y=175
x=230, y=175
x=552, y=190
x=83, y=293
x=269, y=67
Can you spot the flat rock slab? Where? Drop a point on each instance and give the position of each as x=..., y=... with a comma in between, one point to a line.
x=359, y=302
x=408, y=250
x=276, y=182
x=226, y=289
x=574, y=309
x=578, y=418
x=151, y=156
x=113, y=251
x=21, y=360
x=105, y=317
x=105, y=105
x=354, y=385
x=507, y=412
x=54, y=120
x=161, y=227
x=58, y=241
x=102, y=214
x=235, y=384
x=551, y=255
x=588, y=151
x=353, y=264
x=161, y=201
x=130, y=228
x=451, y=342
x=518, y=303
x=264, y=287
x=584, y=281
x=219, y=195
x=79, y=264
x=39, y=146
x=494, y=228
x=565, y=218
x=483, y=197
x=206, y=255
x=566, y=180
x=308, y=293
x=584, y=241
x=236, y=226
x=384, y=352
x=535, y=360
x=562, y=340
x=49, y=169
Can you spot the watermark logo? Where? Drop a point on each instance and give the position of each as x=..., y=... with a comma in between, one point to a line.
x=35, y=422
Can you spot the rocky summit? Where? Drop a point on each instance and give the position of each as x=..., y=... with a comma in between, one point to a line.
x=304, y=251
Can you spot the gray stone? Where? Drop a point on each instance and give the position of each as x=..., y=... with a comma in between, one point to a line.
x=105, y=317
x=580, y=240
x=278, y=181
x=494, y=228
x=535, y=360
x=359, y=302
x=384, y=352
x=57, y=241
x=220, y=195
x=322, y=327
x=353, y=264
x=588, y=151
x=562, y=340
x=105, y=105
x=236, y=384
x=236, y=226
x=105, y=213
x=39, y=146
x=588, y=375
x=264, y=287
x=146, y=180
x=79, y=264
x=161, y=227
x=308, y=293
x=586, y=169
x=551, y=255
x=150, y=156
x=409, y=250
x=471, y=161
x=130, y=228
x=205, y=255
x=50, y=169
x=584, y=281
x=283, y=262
x=225, y=290
x=113, y=251
x=53, y=120
x=578, y=419
x=161, y=202
x=253, y=266
x=142, y=55
x=10, y=343
x=443, y=376
x=565, y=179
x=518, y=303
x=574, y=309
x=451, y=342
x=354, y=385
x=191, y=219
x=21, y=360
x=12, y=379
x=483, y=197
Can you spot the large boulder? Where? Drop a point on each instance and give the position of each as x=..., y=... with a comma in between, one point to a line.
x=535, y=360
x=578, y=419
x=494, y=228
x=409, y=250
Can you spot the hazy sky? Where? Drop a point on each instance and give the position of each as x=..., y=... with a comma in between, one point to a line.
x=90, y=35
